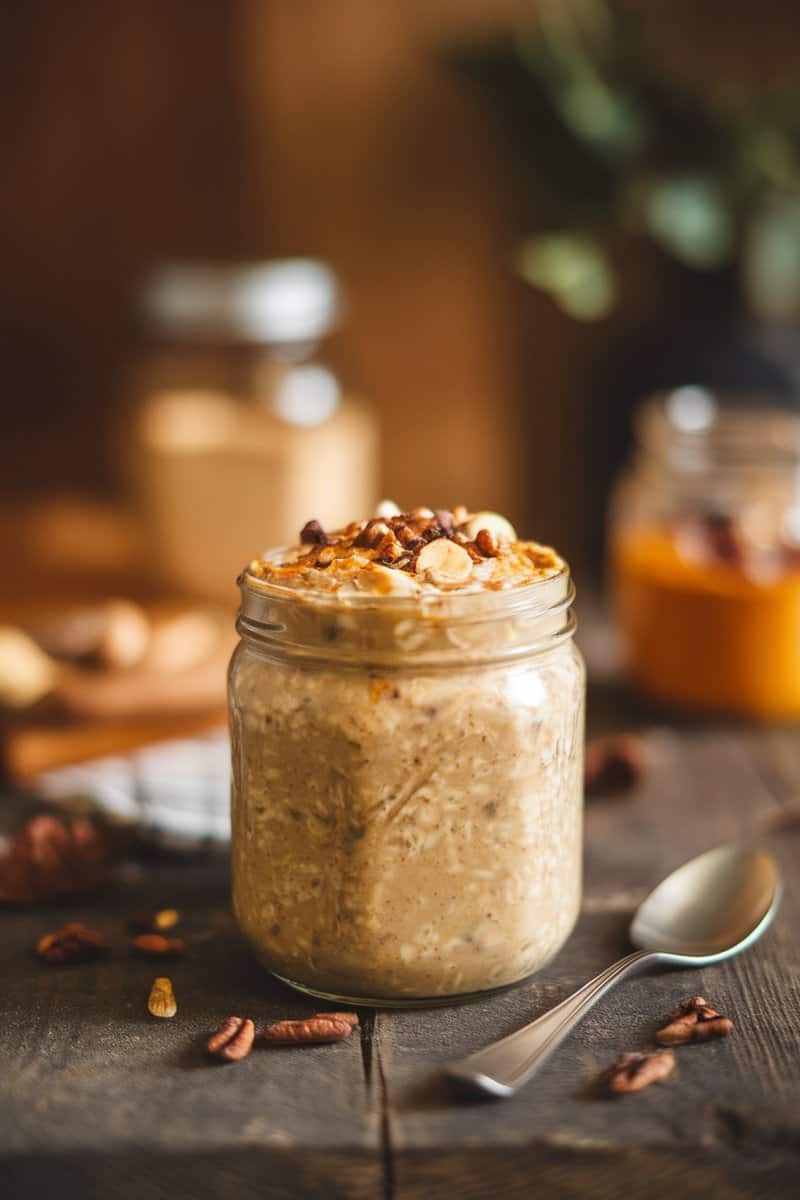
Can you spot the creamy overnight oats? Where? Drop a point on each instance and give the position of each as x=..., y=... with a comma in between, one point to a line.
x=407, y=722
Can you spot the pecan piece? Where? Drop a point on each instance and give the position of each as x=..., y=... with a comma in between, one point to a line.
x=153, y=922
x=73, y=943
x=693, y=1021
x=372, y=533
x=632, y=1072
x=155, y=945
x=408, y=537
x=312, y=534
x=233, y=1040
x=388, y=549
x=51, y=858
x=487, y=543
x=321, y=1027
x=614, y=764
x=161, y=1001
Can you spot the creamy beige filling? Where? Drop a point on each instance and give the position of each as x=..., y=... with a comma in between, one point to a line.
x=408, y=835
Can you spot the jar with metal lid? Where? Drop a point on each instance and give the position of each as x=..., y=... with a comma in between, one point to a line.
x=705, y=554
x=407, y=787
x=241, y=420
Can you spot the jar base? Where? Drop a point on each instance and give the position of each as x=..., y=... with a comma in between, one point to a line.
x=401, y=1001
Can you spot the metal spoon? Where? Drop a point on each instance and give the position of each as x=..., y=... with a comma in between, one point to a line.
x=711, y=908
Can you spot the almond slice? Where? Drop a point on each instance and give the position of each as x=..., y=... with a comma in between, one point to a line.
x=493, y=523
x=445, y=563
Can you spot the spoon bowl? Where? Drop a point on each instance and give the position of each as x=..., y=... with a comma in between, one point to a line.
x=710, y=909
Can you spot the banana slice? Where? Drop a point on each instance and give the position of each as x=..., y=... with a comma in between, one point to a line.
x=445, y=563
x=500, y=529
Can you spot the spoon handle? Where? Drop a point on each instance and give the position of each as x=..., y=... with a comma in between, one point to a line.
x=502, y=1067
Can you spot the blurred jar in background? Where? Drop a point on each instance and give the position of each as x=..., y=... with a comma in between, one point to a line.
x=241, y=429
x=705, y=554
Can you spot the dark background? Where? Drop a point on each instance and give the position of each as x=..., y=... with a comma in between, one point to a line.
x=134, y=132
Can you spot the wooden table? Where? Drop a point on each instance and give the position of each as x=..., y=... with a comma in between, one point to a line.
x=99, y=1100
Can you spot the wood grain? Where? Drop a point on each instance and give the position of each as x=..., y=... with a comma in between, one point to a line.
x=729, y=1125
x=97, y=1099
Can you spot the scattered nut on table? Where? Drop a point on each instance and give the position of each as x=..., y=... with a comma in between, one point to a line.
x=153, y=922
x=635, y=1071
x=155, y=945
x=694, y=1020
x=74, y=943
x=233, y=1040
x=321, y=1027
x=161, y=1002
x=614, y=764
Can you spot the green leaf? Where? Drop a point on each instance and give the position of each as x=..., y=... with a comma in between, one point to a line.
x=573, y=269
x=772, y=258
x=690, y=218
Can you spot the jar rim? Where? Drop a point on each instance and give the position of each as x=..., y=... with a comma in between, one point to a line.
x=502, y=602
x=435, y=629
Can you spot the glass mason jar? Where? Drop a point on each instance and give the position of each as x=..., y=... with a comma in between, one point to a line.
x=407, y=787
x=240, y=420
x=705, y=554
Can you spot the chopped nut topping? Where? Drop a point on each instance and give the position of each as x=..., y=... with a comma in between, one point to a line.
x=371, y=533
x=312, y=534
x=325, y=556
x=487, y=543
x=425, y=551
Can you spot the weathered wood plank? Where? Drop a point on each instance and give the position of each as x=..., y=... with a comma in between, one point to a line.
x=98, y=1099
x=117, y=1102
x=729, y=1125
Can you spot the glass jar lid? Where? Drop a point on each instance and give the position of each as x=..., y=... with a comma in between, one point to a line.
x=272, y=303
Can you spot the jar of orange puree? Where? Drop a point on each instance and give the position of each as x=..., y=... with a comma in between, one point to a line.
x=705, y=554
